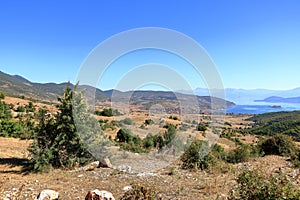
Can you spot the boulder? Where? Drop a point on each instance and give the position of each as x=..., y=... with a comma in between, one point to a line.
x=48, y=195
x=99, y=195
x=105, y=163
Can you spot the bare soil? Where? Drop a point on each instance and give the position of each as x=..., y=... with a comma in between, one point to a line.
x=172, y=182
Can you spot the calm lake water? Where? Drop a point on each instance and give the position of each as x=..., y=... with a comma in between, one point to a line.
x=261, y=108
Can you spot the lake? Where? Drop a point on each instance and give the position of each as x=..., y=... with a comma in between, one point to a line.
x=262, y=108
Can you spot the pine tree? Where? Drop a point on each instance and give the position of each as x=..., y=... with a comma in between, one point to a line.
x=58, y=142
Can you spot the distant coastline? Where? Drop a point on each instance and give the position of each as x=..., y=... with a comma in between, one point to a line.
x=262, y=108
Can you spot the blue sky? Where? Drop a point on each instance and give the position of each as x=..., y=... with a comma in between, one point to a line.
x=254, y=44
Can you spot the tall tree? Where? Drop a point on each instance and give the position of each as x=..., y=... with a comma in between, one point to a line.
x=59, y=139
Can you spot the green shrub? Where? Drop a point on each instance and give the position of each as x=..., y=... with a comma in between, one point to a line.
x=296, y=159
x=149, y=141
x=141, y=192
x=112, y=125
x=241, y=154
x=124, y=135
x=201, y=127
x=2, y=96
x=174, y=117
x=127, y=121
x=149, y=122
x=170, y=134
x=127, y=141
x=108, y=112
x=254, y=185
x=279, y=144
x=199, y=155
x=20, y=109
x=30, y=107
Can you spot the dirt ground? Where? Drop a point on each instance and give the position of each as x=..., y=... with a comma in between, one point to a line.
x=172, y=182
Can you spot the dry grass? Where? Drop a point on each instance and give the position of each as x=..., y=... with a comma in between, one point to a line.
x=172, y=182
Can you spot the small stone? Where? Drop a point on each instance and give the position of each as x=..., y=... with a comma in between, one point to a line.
x=125, y=169
x=96, y=163
x=80, y=175
x=7, y=197
x=48, y=195
x=126, y=188
x=99, y=194
x=105, y=163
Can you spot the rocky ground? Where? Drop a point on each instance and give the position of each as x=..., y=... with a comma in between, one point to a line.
x=171, y=181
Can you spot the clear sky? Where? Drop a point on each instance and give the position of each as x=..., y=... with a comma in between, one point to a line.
x=254, y=43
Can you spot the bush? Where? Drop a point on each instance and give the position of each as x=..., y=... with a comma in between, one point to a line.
x=254, y=185
x=149, y=141
x=174, y=117
x=279, y=144
x=149, y=122
x=241, y=154
x=141, y=191
x=2, y=96
x=20, y=109
x=296, y=159
x=196, y=156
x=170, y=134
x=129, y=142
x=124, y=135
x=30, y=107
x=108, y=112
x=201, y=127
x=127, y=121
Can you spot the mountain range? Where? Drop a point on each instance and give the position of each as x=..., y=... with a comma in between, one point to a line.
x=172, y=102
x=276, y=99
x=246, y=97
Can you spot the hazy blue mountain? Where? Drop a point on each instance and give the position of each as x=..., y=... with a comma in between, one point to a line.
x=243, y=96
x=276, y=99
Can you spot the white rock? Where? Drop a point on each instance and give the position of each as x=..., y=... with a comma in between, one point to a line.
x=7, y=197
x=96, y=194
x=48, y=195
x=125, y=169
x=96, y=163
x=126, y=188
x=146, y=174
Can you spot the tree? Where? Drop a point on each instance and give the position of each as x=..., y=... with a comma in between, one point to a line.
x=170, y=134
x=57, y=142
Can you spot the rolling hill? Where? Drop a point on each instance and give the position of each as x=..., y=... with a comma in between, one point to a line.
x=15, y=85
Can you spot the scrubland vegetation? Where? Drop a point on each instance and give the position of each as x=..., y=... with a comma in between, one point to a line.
x=56, y=143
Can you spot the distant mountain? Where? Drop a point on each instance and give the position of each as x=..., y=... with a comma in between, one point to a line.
x=172, y=102
x=243, y=96
x=15, y=85
x=19, y=86
x=276, y=99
